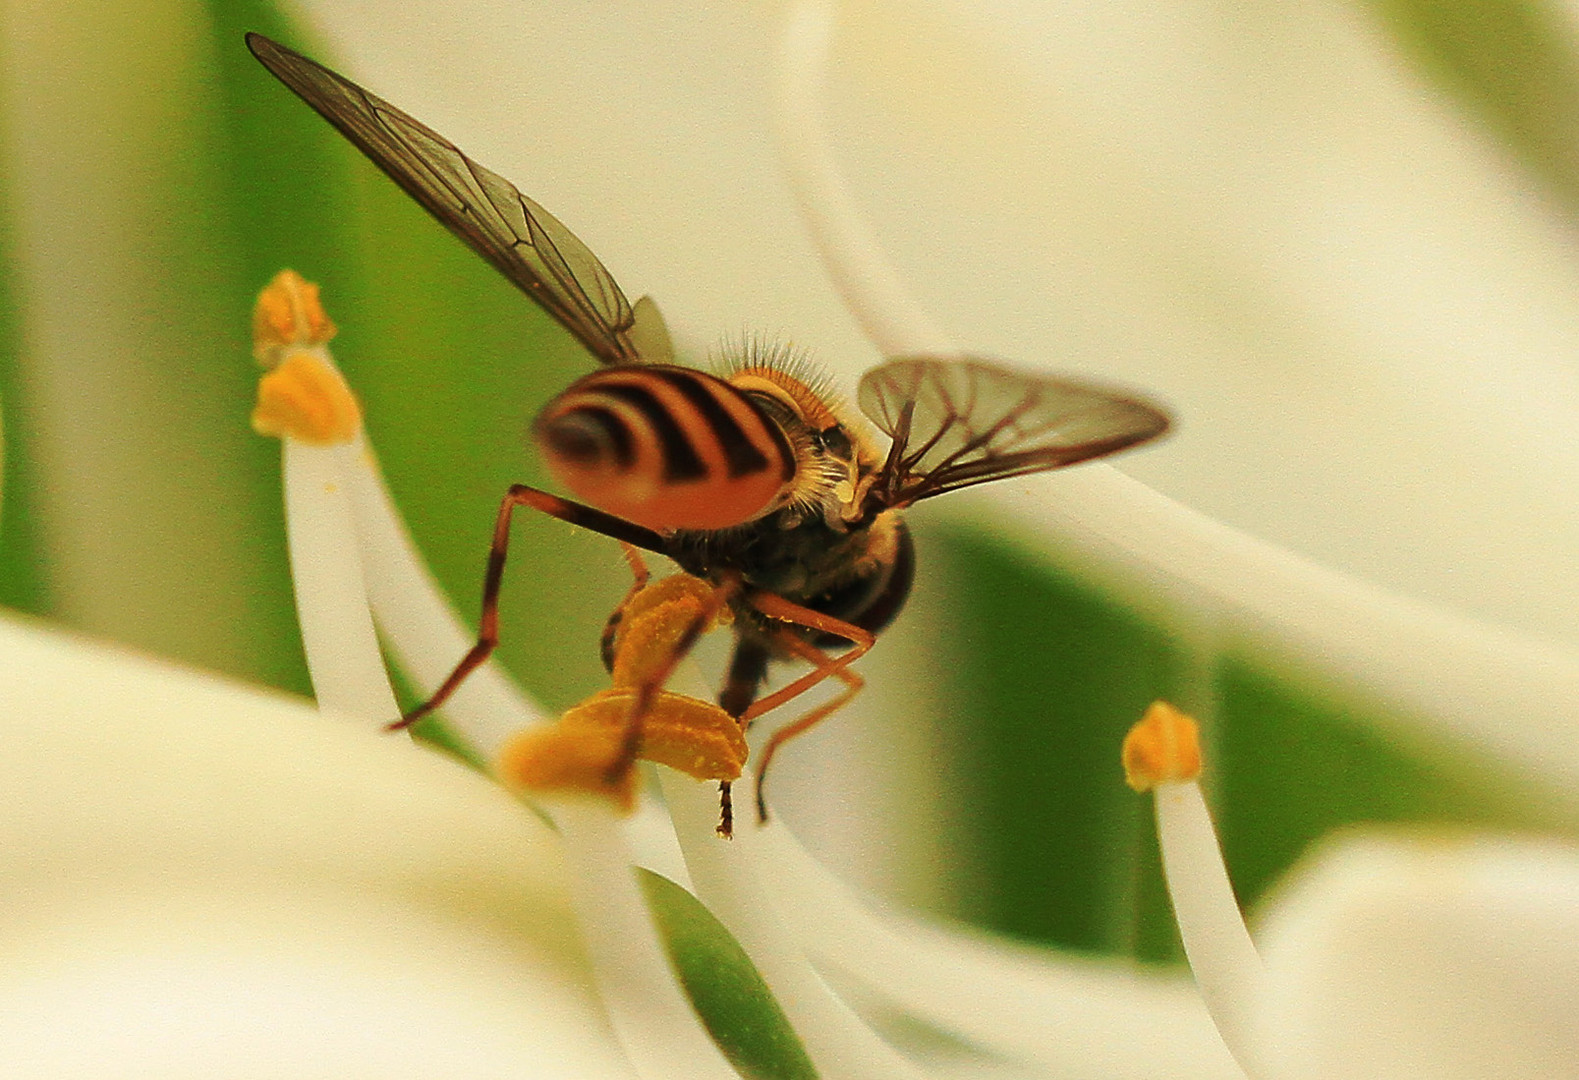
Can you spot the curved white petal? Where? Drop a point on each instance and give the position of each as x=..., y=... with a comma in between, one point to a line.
x=1497, y=691
x=1065, y=1015
x=1362, y=315
x=1426, y=957
x=202, y=879
x=1461, y=678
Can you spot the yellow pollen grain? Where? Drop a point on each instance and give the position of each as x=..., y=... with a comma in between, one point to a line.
x=288, y=314
x=1165, y=746
x=306, y=399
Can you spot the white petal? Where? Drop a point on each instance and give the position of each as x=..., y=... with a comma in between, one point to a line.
x=735, y=883
x=1070, y=1016
x=1365, y=320
x=201, y=879
x=1426, y=958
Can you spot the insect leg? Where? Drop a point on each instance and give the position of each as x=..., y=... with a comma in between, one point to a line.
x=776, y=607
x=642, y=575
x=747, y=667
x=488, y=624
x=823, y=667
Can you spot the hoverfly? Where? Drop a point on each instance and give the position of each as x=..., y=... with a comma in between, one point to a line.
x=751, y=480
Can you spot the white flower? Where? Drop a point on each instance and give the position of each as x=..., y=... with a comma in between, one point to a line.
x=1423, y=956
x=352, y=560
x=1200, y=256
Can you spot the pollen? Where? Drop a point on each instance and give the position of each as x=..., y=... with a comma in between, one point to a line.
x=655, y=620
x=554, y=760
x=575, y=754
x=1164, y=746
x=306, y=399
x=288, y=314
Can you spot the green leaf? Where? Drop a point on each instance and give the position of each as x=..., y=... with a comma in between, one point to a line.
x=135, y=367
x=731, y=998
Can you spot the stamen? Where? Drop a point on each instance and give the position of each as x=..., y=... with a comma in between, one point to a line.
x=583, y=752
x=1162, y=754
x=654, y=621
x=1164, y=746
x=287, y=314
x=307, y=399
x=303, y=395
x=1072, y=1016
x=551, y=759
x=656, y=1024
x=418, y=621
x=732, y=881
x=686, y=734
x=302, y=399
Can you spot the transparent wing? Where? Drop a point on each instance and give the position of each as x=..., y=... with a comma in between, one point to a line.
x=964, y=421
x=522, y=240
x=649, y=333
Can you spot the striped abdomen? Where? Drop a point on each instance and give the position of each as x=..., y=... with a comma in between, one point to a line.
x=665, y=447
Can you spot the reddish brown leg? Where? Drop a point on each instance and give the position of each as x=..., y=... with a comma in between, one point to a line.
x=776, y=607
x=488, y=625
x=823, y=667
x=746, y=668
x=611, y=628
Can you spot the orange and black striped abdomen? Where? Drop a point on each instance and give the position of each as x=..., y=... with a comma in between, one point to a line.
x=665, y=447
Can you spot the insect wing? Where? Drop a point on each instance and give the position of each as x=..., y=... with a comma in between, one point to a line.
x=649, y=333
x=965, y=421
x=522, y=240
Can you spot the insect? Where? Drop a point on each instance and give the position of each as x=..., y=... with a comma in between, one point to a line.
x=754, y=480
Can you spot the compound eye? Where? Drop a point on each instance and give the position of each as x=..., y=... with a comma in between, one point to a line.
x=836, y=442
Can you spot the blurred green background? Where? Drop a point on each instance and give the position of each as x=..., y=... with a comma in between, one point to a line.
x=185, y=557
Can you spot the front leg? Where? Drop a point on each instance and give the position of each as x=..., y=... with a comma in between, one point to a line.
x=488, y=624
x=611, y=628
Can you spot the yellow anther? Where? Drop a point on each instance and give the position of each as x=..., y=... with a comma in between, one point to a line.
x=693, y=736
x=553, y=760
x=575, y=754
x=655, y=619
x=288, y=314
x=1165, y=746
x=306, y=399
